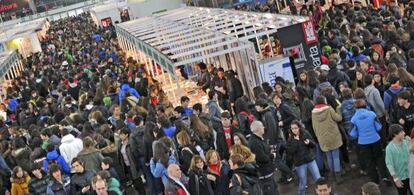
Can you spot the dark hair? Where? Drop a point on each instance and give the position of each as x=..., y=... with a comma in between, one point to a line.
x=46, y=132
x=371, y=188
x=322, y=181
x=53, y=168
x=360, y=103
x=198, y=107
x=124, y=131
x=202, y=65
x=108, y=161
x=346, y=93
x=242, y=138
x=50, y=147
x=240, y=105
x=395, y=129
x=320, y=100
x=393, y=78
x=78, y=160
x=105, y=175
x=368, y=79
x=184, y=99
x=406, y=95
x=211, y=94
x=262, y=103
x=179, y=109
x=237, y=159
x=138, y=119
x=88, y=142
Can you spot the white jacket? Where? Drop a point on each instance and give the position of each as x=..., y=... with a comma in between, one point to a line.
x=70, y=147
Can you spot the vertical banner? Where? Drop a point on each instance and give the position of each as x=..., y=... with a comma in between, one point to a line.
x=300, y=41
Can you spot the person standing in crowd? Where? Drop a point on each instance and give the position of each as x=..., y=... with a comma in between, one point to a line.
x=396, y=158
x=300, y=145
x=177, y=183
x=244, y=176
x=113, y=184
x=390, y=97
x=53, y=157
x=20, y=181
x=39, y=180
x=90, y=155
x=405, y=111
x=60, y=184
x=81, y=179
x=186, y=150
x=205, y=78
x=101, y=188
x=219, y=85
x=220, y=170
x=264, y=158
x=200, y=182
x=366, y=128
x=70, y=145
x=325, y=124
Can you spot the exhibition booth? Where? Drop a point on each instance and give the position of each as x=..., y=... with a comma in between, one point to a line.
x=10, y=67
x=181, y=38
x=24, y=37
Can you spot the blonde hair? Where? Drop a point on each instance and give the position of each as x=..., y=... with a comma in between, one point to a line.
x=244, y=151
x=183, y=138
x=210, y=153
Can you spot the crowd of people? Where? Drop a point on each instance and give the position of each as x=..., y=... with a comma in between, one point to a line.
x=82, y=118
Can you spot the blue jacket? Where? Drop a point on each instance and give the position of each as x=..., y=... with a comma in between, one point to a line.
x=169, y=131
x=158, y=170
x=54, y=156
x=388, y=98
x=188, y=111
x=348, y=111
x=366, y=126
x=124, y=89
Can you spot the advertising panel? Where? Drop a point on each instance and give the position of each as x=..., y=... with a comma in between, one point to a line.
x=276, y=68
x=7, y=6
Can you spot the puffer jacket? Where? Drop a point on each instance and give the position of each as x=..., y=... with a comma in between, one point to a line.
x=22, y=157
x=58, y=159
x=70, y=147
x=20, y=186
x=366, y=127
x=38, y=186
x=325, y=124
x=301, y=152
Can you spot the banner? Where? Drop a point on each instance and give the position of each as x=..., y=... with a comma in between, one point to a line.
x=276, y=68
x=300, y=41
x=7, y=6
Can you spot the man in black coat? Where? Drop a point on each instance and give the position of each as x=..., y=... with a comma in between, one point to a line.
x=264, y=158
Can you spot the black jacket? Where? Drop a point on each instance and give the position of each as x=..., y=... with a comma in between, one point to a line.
x=221, y=141
x=199, y=178
x=246, y=175
x=185, y=155
x=80, y=180
x=272, y=131
x=235, y=89
x=286, y=113
x=38, y=186
x=301, y=152
x=263, y=156
x=221, y=185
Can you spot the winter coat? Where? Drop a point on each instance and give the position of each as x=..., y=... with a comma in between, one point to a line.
x=214, y=111
x=244, y=122
x=92, y=158
x=70, y=147
x=264, y=158
x=221, y=185
x=321, y=87
x=204, y=81
x=21, y=157
x=169, y=131
x=272, y=133
x=325, y=124
x=336, y=76
x=347, y=111
x=80, y=180
x=301, y=152
x=373, y=97
x=159, y=170
x=173, y=188
x=38, y=186
x=38, y=153
x=56, y=188
x=54, y=157
x=235, y=89
x=242, y=178
x=185, y=155
x=221, y=143
x=20, y=186
x=199, y=178
x=126, y=88
x=287, y=114
x=133, y=167
x=366, y=127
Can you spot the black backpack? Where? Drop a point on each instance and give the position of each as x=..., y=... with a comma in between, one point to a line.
x=250, y=185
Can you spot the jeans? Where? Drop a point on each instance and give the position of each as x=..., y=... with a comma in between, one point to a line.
x=373, y=158
x=333, y=160
x=302, y=174
x=319, y=156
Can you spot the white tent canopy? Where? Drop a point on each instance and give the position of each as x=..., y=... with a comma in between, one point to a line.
x=10, y=65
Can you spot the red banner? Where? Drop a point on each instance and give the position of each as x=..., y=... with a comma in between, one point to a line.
x=309, y=32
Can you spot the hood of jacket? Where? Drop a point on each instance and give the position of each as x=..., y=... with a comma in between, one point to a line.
x=52, y=155
x=86, y=151
x=20, y=151
x=69, y=138
x=125, y=87
x=320, y=113
x=324, y=85
x=362, y=114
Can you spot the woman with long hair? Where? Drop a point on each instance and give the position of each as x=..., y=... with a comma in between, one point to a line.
x=239, y=139
x=220, y=170
x=200, y=181
x=406, y=79
x=244, y=151
x=151, y=134
x=203, y=132
x=300, y=144
x=378, y=61
x=20, y=181
x=186, y=150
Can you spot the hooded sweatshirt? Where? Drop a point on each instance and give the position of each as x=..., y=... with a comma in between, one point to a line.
x=54, y=157
x=373, y=97
x=70, y=147
x=325, y=124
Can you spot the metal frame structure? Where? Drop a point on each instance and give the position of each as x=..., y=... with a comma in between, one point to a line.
x=10, y=65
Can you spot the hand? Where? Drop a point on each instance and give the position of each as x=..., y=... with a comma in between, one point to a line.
x=274, y=155
x=211, y=177
x=408, y=138
x=401, y=121
x=85, y=189
x=306, y=141
x=399, y=183
x=280, y=123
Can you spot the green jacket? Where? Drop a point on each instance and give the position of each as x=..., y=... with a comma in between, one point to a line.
x=396, y=158
x=114, y=186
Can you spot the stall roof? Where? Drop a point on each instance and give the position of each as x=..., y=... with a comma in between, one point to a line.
x=240, y=24
x=7, y=59
x=172, y=43
x=21, y=29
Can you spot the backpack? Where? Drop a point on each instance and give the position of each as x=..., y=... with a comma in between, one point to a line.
x=250, y=185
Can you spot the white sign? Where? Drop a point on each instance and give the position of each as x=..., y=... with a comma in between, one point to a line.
x=279, y=67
